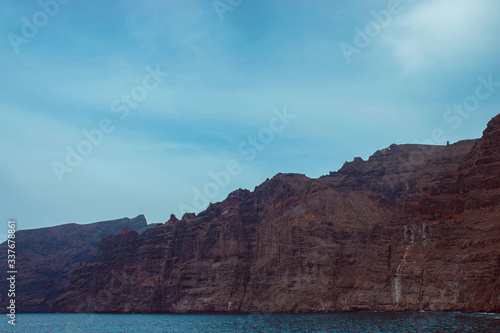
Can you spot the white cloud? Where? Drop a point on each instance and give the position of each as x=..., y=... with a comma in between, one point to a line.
x=443, y=32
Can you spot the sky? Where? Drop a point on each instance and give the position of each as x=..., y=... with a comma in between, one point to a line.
x=112, y=109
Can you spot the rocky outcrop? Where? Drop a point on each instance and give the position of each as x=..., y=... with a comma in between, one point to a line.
x=47, y=257
x=413, y=227
x=401, y=175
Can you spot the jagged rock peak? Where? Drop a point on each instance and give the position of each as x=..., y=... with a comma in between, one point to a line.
x=173, y=218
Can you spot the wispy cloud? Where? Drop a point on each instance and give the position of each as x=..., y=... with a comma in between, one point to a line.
x=435, y=32
x=225, y=78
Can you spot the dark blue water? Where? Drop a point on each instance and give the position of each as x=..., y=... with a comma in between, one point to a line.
x=372, y=322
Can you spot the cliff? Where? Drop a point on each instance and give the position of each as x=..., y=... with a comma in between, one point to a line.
x=47, y=257
x=412, y=228
x=450, y=245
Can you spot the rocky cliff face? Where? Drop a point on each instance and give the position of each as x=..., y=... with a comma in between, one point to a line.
x=400, y=175
x=450, y=246
x=414, y=227
x=279, y=248
x=47, y=257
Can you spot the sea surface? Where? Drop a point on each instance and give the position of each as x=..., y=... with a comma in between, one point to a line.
x=372, y=322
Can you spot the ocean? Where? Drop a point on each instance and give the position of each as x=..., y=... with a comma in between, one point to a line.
x=372, y=322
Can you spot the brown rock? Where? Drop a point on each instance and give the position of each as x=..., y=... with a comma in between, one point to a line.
x=47, y=257
x=338, y=243
x=414, y=227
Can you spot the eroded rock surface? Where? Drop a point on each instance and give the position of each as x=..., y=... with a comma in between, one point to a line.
x=414, y=227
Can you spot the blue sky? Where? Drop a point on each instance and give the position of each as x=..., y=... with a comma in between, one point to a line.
x=231, y=70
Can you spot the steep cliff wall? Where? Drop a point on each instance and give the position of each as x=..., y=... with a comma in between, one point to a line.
x=450, y=247
x=414, y=227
